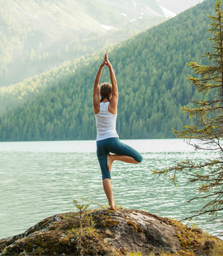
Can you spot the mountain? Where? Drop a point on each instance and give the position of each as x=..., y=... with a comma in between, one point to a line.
x=177, y=6
x=151, y=70
x=37, y=35
x=135, y=8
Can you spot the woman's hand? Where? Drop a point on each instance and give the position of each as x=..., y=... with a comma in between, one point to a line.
x=102, y=64
x=106, y=61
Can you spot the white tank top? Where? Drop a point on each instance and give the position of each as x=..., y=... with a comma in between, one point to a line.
x=105, y=123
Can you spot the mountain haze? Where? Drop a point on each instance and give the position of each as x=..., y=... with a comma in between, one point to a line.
x=178, y=6
x=37, y=35
x=151, y=70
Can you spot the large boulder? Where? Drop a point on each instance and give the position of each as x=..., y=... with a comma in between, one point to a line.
x=105, y=232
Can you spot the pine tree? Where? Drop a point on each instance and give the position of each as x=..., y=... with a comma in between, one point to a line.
x=207, y=131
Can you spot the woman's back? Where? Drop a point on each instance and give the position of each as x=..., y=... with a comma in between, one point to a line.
x=105, y=123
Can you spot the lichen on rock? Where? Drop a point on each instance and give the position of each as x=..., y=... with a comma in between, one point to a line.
x=113, y=233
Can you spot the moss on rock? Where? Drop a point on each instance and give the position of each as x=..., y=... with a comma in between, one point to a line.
x=111, y=233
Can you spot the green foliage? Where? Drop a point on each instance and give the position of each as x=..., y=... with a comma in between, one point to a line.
x=151, y=72
x=93, y=202
x=86, y=225
x=208, y=127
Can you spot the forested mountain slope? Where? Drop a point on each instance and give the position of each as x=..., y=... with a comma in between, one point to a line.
x=37, y=35
x=151, y=71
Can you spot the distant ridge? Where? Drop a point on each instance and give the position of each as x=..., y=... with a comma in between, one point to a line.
x=39, y=35
x=178, y=6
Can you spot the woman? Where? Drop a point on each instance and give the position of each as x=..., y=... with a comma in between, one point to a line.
x=105, y=111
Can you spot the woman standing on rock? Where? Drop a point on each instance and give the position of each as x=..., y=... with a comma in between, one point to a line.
x=105, y=110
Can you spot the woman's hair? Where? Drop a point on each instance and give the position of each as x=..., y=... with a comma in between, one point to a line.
x=105, y=90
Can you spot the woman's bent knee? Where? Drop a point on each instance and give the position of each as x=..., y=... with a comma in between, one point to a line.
x=139, y=158
x=106, y=175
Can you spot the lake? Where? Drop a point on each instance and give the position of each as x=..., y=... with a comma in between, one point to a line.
x=40, y=179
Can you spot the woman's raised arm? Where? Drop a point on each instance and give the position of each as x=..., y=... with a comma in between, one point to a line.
x=96, y=100
x=114, y=99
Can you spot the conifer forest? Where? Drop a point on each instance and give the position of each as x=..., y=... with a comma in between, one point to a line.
x=152, y=72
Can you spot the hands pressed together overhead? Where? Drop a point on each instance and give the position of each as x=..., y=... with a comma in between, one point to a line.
x=105, y=61
x=114, y=99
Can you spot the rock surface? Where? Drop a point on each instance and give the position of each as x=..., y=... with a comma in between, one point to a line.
x=106, y=232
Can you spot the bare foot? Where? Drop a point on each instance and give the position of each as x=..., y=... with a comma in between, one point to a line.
x=109, y=162
x=112, y=206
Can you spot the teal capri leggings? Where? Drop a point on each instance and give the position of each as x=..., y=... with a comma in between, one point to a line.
x=115, y=146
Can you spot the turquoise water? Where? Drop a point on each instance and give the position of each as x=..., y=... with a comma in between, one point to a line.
x=39, y=179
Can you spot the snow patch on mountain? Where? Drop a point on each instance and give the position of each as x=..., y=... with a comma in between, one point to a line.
x=106, y=27
x=167, y=13
x=134, y=2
